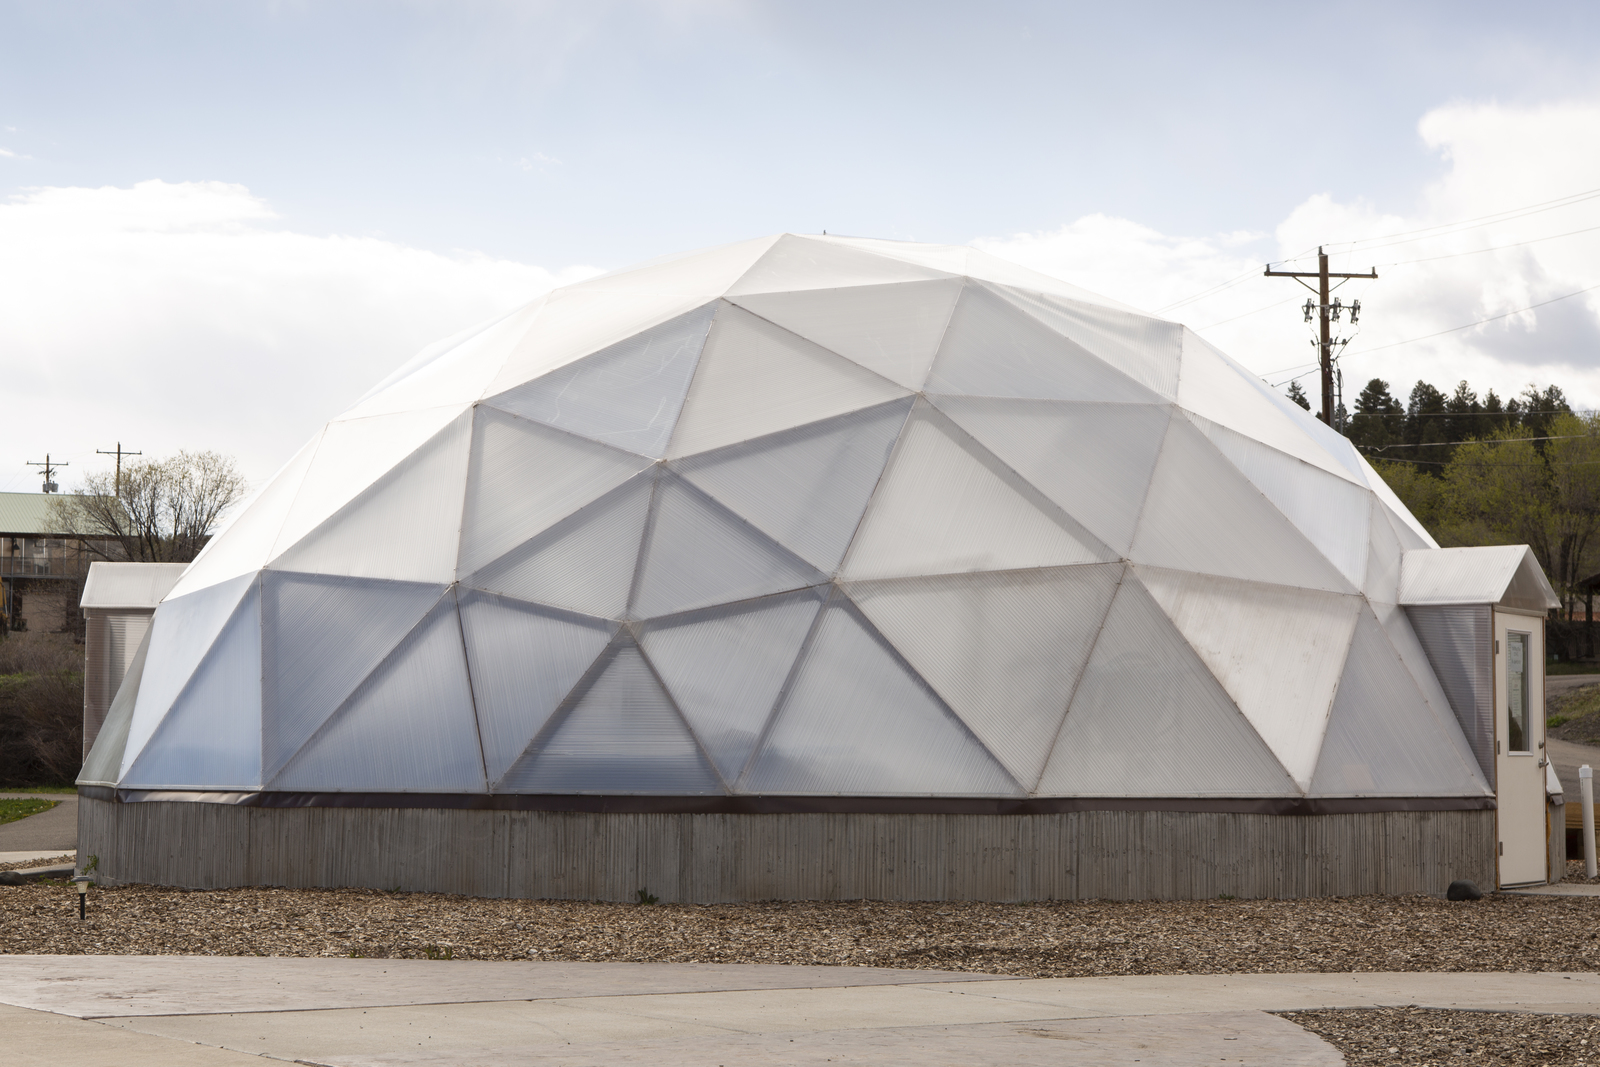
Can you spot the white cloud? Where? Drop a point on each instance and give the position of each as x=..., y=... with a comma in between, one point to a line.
x=173, y=316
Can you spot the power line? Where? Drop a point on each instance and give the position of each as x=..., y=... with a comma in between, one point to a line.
x=1480, y=322
x=1496, y=248
x=1467, y=224
x=1477, y=441
x=1326, y=315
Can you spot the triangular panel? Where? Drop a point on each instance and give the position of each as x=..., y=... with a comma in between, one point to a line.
x=1149, y=720
x=585, y=562
x=891, y=329
x=857, y=722
x=756, y=378
x=1383, y=737
x=1382, y=582
x=620, y=734
x=1003, y=650
x=409, y=727
x=1202, y=515
x=524, y=477
x=1093, y=460
x=1276, y=651
x=806, y=488
x=1414, y=535
x=103, y=765
x=800, y=263
x=1146, y=349
x=992, y=348
x=698, y=553
x=946, y=505
x=725, y=668
x=524, y=661
x=627, y=396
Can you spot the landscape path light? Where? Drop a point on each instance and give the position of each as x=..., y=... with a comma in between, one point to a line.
x=84, y=882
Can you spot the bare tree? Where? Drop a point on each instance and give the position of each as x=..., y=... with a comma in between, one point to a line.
x=161, y=510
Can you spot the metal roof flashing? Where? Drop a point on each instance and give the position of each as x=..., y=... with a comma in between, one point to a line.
x=1507, y=576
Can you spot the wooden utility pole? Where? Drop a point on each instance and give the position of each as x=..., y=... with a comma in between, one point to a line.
x=119, y=453
x=1327, y=313
x=48, y=472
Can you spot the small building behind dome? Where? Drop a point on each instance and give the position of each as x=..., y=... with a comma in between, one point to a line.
x=816, y=567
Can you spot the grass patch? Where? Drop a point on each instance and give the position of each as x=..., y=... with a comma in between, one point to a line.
x=1568, y=666
x=12, y=810
x=71, y=790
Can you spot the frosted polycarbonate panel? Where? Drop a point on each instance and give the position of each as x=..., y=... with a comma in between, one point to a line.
x=245, y=543
x=708, y=271
x=1488, y=574
x=1331, y=512
x=445, y=345
x=627, y=396
x=1415, y=536
x=1003, y=650
x=1276, y=651
x=1476, y=728
x=946, y=505
x=1383, y=739
x=1382, y=582
x=351, y=456
x=585, y=562
x=1215, y=387
x=406, y=527
x=320, y=637
x=524, y=477
x=725, y=670
x=180, y=633
x=973, y=263
x=856, y=721
x=893, y=330
x=524, y=661
x=1529, y=589
x=1202, y=515
x=211, y=739
x=806, y=488
x=408, y=729
x=1092, y=460
x=1145, y=349
x=756, y=378
x=621, y=735
x=993, y=348
x=698, y=553
x=103, y=766
x=804, y=263
x=1149, y=720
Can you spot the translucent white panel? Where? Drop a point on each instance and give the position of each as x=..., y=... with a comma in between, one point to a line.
x=1146, y=349
x=1093, y=460
x=406, y=527
x=524, y=660
x=1215, y=387
x=755, y=379
x=1202, y=515
x=1415, y=531
x=946, y=505
x=620, y=735
x=628, y=395
x=104, y=763
x=183, y=629
x=320, y=637
x=1276, y=651
x=409, y=728
x=807, y=487
x=725, y=668
x=245, y=543
x=891, y=329
x=351, y=456
x=1383, y=739
x=1149, y=720
x=211, y=739
x=1003, y=650
x=583, y=563
x=856, y=721
x=992, y=348
x=1383, y=558
x=1397, y=627
x=1332, y=513
x=698, y=553
x=524, y=477
x=708, y=271
x=973, y=263
x=445, y=345
x=806, y=263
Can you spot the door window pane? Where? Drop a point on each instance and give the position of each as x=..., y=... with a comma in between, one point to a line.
x=1517, y=690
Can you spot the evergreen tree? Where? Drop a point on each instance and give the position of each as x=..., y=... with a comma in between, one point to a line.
x=1425, y=428
x=1298, y=395
x=1379, y=418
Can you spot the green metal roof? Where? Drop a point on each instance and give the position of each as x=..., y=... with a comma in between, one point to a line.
x=27, y=514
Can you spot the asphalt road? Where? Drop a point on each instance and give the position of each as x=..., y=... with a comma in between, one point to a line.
x=56, y=829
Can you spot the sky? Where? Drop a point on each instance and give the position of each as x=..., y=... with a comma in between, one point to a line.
x=221, y=223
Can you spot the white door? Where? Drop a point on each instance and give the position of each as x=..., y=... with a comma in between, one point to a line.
x=1519, y=747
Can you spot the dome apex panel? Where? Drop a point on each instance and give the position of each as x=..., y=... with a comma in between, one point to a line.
x=795, y=263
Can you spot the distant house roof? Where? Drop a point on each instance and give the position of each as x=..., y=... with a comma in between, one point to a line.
x=129, y=586
x=1505, y=575
x=27, y=514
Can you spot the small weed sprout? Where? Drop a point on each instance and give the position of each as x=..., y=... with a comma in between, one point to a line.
x=646, y=897
x=439, y=952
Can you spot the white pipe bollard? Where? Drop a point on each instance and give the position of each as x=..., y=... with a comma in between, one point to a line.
x=1586, y=788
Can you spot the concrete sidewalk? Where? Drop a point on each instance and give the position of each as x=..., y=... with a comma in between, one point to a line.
x=52, y=832
x=136, y=1010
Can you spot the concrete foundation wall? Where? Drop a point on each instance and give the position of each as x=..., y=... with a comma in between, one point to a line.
x=707, y=858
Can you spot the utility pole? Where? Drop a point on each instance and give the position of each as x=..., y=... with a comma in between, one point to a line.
x=1327, y=313
x=119, y=453
x=50, y=485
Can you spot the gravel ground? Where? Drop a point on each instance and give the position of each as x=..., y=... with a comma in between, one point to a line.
x=1027, y=940
x=66, y=857
x=1380, y=1037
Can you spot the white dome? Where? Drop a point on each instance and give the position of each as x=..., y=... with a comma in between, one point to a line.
x=805, y=516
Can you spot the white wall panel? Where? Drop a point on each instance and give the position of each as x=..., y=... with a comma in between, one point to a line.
x=1144, y=348
x=806, y=263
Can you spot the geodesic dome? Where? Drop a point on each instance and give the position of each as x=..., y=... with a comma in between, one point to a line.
x=797, y=517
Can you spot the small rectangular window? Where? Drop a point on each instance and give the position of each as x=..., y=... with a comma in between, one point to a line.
x=1517, y=690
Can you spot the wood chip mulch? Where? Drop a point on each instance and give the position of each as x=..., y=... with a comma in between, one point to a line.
x=1027, y=940
x=1380, y=1037
x=66, y=857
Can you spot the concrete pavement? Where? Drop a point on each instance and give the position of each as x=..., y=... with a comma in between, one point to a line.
x=53, y=832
